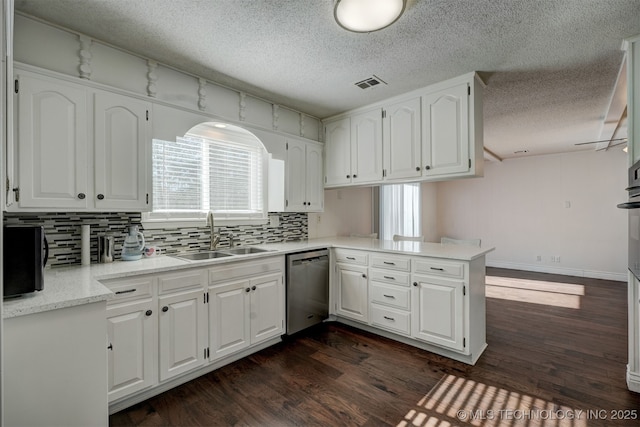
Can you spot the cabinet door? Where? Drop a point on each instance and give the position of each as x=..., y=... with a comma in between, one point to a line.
x=229, y=327
x=445, y=131
x=366, y=147
x=337, y=150
x=352, y=296
x=402, y=141
x=315, y=187
x=121, y=147
x=131, y=331
x=296, y=186
x=52, y=144
x=183, y=332
x=438, y=312
x=267, y=307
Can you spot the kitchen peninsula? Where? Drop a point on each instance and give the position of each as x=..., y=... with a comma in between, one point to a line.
x=166, y=313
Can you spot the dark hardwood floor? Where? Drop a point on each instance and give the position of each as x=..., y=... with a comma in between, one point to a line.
x=557, y=357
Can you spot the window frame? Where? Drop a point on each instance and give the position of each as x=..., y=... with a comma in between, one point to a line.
x=219, y=132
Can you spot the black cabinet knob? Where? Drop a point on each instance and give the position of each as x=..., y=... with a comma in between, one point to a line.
x=253, y=288
x=355, y=176
x=364, y=275
x=348, y=176
x=427, y=167
x=165, y=309
x=149, y=312
x=81, y=196
x=248, y=290
x=100, y=196
x=110, y=346
x=418, y=168
x=415, y=283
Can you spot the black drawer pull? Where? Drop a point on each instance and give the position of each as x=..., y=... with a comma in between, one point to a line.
x=128, y=291
x=437, y=268
x=389, y=277
x=389, y=318
x=389, y=263
x=351, y=258
x=389, y=296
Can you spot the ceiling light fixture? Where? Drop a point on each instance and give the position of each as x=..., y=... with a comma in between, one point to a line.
x=365, y=16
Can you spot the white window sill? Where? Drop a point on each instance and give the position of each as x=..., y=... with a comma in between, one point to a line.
x=165, y=223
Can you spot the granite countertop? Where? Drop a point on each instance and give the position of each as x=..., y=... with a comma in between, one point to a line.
x=71, y=286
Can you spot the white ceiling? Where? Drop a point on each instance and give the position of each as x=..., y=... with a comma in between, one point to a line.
x=550, y=65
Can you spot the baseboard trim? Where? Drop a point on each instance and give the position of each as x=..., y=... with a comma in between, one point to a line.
x=594, y=274
x=633, y=380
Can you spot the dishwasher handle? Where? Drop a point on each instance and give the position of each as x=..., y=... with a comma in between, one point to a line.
x=323, y=258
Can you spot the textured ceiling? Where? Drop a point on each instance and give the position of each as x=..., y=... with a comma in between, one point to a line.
x=550, y=65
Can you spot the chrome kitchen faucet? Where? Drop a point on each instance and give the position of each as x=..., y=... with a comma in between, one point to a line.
x=213, y=238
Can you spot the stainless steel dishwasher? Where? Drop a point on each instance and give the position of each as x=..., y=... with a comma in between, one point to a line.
x=307, y=289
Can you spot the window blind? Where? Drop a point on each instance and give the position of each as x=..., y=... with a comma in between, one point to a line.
x=195, y=175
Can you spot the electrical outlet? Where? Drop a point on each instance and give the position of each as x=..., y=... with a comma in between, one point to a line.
x=319, y=220
x=558, y=258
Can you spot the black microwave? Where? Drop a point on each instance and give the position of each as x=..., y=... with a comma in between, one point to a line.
x=25, y=251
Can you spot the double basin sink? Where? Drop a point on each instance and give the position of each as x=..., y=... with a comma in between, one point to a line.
x=220, y=253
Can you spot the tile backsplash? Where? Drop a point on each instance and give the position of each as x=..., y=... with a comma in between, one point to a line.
x=63, y=231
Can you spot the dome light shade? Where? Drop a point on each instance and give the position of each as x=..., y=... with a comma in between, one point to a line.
x=365, y=16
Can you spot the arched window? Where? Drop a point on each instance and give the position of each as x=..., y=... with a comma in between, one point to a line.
x=215, y=167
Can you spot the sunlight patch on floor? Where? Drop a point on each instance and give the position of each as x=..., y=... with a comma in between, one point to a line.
x=565, y=295
x=456, y=401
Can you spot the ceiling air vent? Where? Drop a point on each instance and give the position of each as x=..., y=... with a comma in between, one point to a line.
x=370, y=82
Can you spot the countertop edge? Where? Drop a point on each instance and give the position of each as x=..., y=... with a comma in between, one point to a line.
x=77, y=285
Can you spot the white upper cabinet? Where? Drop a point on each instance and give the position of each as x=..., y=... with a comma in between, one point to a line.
x=52, y=144
x=435, y=133
x=402, y=142
x=121, y=144
x=66, y=131
x=305, y=190
x=445, y=123
x=337, y=148
x=366, y=147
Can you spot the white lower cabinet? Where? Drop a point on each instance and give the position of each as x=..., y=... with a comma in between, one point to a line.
x=438, y=311
x=229, y=308
x=244, y=313
x=246, y=305
x=432, y=303
x=132, y=329
x=352, y=290
x=183, y=332
x=165, y=326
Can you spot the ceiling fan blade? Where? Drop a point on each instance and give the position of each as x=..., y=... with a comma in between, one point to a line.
x=604, y=140
x=612, y=145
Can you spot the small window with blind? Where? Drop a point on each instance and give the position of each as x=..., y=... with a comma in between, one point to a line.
x=213, y=167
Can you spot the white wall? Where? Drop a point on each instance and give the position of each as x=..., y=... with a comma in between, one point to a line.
x=346, y=211
x=557, y=205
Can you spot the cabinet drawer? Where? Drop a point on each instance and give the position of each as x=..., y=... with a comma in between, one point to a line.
x=395, y=277
x=391, y=262
x=439, y=268
x=388, y=318
x=129, y=289
x=351, y=257
x=390, y=295
x=171, y=282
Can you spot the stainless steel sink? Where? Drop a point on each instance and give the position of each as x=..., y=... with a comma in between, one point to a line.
x=244, y=250
x=203, y=255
